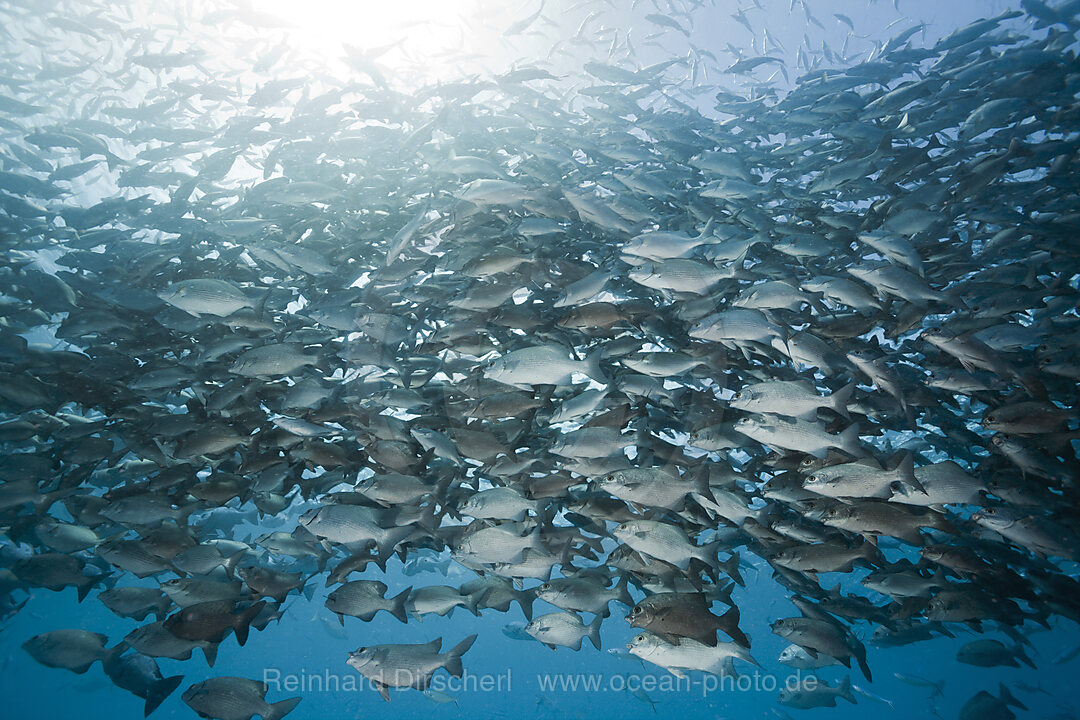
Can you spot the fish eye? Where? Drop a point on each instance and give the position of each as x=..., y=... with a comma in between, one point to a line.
x=545, y=586
x=639, y=638
x=990, y=418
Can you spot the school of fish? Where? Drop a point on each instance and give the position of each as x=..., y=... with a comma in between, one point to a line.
x=605, y=341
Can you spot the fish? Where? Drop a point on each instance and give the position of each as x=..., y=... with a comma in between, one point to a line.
x=135, y=602
x=983, y=704
x=917, y=681
x=139, y=675
x=154, y=640
x=688, y=654
x=665, y=542
x=541, y=365
x=798, y=658
x=799, y=435
x=205, y=296
x=74, y=650
x=992, y=653
x=211, y=621
x=235, y=698
x=439, y=697
x=583, y=595
x=403, y=665
x=365, y=598
x=791, y=398
x=822, y=636
x=812, y=692
x=439, y=600
x=607, y=311
x=564, y=629
x=671, y=616
x=863, y=480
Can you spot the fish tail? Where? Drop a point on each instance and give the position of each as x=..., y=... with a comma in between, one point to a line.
x=525, y=602
x=453, y=660
x=845, y=690
x=45, y=500
x=1008, y=698
x=849, y=441
x=113, y=162
x=906, y=470
x=594, y=631
x=744, y=655
x=242, y=623
x=397, y=604
x=594, y=370
x=622, y=594
x=471, y=603
x=731, y=567
x=231, y=562
x=841, y=398
x=1019, y=654
x=83, y=587
x=279, y=710
x=730, y=625
x=860, y=655
x=159, y=691
x=210, y=653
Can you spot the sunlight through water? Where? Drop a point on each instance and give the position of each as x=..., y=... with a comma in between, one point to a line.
x=428, y=36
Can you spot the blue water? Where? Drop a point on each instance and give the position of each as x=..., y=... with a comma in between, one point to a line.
x=506, y=678
x=511, y=678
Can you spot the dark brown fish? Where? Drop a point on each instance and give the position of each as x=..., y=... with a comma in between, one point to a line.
x=674, y=615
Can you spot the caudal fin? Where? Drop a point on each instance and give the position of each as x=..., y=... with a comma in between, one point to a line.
x=905, y=469
x=841, y=398
x=594, y=370
x=242, y=622
x=622, y=594
x=850, y=443
x=397, y=604
x=1019, y=654
x=525, y=602
x=844, y=690
x=594, y=631
x=159, y=691
x=230, y=562
x=707, y=553
x=731, y=567
x=744, y=655
x=210, y=652
x=860, y=654
x=1008, y=698
x=729, y=623
x=279, y=710
x=453, y=660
